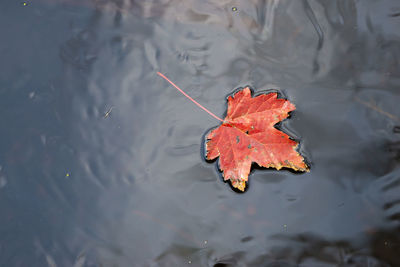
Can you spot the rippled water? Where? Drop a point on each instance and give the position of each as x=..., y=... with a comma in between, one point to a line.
x=78, y=188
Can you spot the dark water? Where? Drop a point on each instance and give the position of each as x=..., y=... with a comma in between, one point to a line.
x=132, y=189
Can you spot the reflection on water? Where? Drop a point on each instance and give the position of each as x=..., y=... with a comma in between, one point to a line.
x=100, y=160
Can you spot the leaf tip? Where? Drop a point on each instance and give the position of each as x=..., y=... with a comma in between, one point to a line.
x=239, y=184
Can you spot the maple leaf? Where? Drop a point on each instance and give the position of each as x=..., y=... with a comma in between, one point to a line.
x=248, y=135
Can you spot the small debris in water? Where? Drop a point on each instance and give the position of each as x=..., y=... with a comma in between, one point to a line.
x=205, y=242
x=31, y=94
x=189, y=262
x=108, y=112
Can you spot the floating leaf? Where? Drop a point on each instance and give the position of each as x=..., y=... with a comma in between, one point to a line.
x=248, y=135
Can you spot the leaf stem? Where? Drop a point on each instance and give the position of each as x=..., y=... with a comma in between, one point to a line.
x=191, y=99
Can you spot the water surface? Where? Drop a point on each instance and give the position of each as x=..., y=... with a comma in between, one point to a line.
x=78, y=188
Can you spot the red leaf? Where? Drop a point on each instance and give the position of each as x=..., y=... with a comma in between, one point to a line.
x=248, y=135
